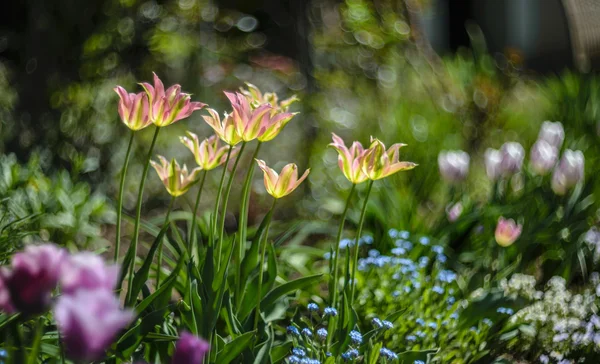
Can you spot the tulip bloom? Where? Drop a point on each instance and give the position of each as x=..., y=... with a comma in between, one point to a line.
x=552, y=133
x=453, y=212
x=512, y=158
x=87, y=271
x=167, y=107
x=256, y=98
x=349, y=160
x=379, y=163
x=280, y=185
x=568, y=172
x=31, y=278
x=133, y=109
x=543, y=157
x=209, y=154
x=5, y=301
x=225, y=129
x=89, y=322
x=493, y=159
x=247, y=120
x=507, y=231
x=177, y=180
x=454, y=165
x=189, y=349
x=273, y=121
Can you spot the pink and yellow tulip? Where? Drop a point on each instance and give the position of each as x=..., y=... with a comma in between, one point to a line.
x=378, y=163
x=350, y=159
x=167, y=107
x=209, y=154
x=225, y=128
x=280, y=185
x=176, y=179
x=133, y=109
x=507, y=231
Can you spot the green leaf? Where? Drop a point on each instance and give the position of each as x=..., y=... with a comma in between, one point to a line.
x=234, y=348
x=164, y=290
x=263, y=354
x=292, y=286
x=279, y=352
x=409, y=357
x=374, y=356
x=141, y=276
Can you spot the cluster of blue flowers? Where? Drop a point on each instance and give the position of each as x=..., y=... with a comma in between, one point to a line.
x=309, y=342
x=413, y=275
x=349, y=243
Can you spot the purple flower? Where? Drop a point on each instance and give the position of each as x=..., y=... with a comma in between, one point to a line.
x=454, y=165
x=553, y=133
x=87, y=271
x=453, y=211
x=512, y=158
x=543, y=157
x=493, y=159
x=568, y=172
x=190, y=350
x=29, y=282
x=89, y=322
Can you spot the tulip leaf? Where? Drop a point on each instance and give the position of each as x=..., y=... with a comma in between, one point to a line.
x=409, y=357
x=235, y=347
x=374, y=356
x=164, y=289
x=262, y=357
x=280, y=351
x=251, y=259
x=141, y=276
x=292, y=286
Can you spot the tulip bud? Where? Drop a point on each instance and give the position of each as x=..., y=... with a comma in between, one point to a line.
x=133, y=109
x=568, y=172
x=512, y=158
x=378, y=162
x=89, y=322
x=87, y=271
x=167, y=107
x=280, y=185
x=507, y=231
x=454, y=165
x=493, y=160
x=31, y=278
x=189, y=350
x=552, y=133
x=349, y=160
x=454, y=211
x=177, y=180
x=543, y=157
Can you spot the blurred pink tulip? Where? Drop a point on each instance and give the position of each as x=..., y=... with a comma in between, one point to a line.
x=31, y=278
x=454, y=211
x=87, y=271
x=189, y=349
x=507, y=231
x=89, y=321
